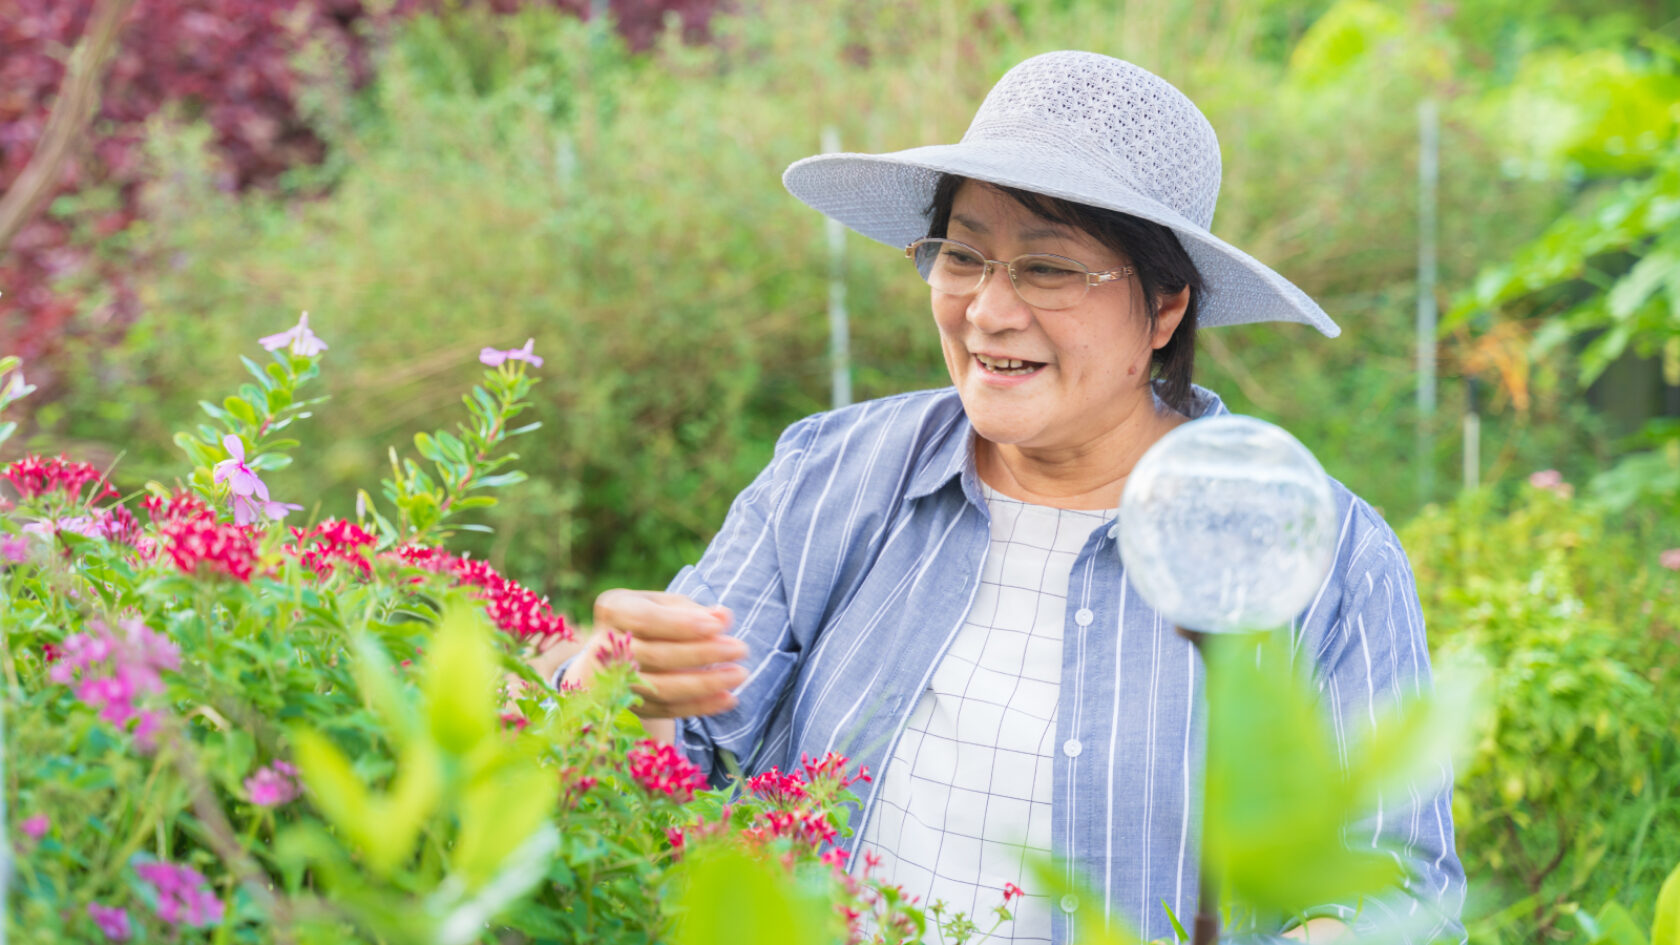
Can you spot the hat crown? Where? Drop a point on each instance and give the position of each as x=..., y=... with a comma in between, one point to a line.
x=1124, y=119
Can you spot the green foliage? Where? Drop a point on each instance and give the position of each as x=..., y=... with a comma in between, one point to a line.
x=1567, y=795
x=1606, y=276
x=1275, y=831
x=457, y=801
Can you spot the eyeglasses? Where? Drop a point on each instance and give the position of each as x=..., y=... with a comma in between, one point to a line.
x=1042, y=280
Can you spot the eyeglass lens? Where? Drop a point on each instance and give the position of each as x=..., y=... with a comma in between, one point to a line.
x=1042, y=281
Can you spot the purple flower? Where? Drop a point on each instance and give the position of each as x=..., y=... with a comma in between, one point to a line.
x=35, y=827
x=183, y=897
x=273, y=785
x=495, y=358
x=14, y=549
x=247, y=510
x=115, y=670
x=299, y=337
x=240, y=478
x=113, y=921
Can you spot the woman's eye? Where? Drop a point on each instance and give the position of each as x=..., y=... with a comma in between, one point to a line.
x=956, y=257
x=1048, y=270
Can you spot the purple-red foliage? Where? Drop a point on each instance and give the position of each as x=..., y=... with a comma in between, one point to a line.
x=232, y=63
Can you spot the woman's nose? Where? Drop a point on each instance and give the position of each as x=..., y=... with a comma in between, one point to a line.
x=996, y=307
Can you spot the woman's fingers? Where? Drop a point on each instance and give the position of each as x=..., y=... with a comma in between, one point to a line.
x=654, y=615
x=676, y=694
x=658, y=656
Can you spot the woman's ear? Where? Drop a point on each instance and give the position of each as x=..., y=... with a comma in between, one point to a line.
x=1168, y=315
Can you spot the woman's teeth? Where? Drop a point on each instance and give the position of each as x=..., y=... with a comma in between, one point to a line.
x=1007, y=365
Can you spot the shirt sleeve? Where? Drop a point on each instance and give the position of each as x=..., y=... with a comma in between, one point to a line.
x=1375, y=654
x=741, y=569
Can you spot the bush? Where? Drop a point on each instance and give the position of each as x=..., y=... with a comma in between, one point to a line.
x=243, y=732
x=1569, y=798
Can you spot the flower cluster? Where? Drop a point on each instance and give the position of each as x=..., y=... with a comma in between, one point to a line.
x=832, y=768
x=192, y=537
x=114, y=670
x=510, y=605
x=331, y=543
x=660, y=769
x=183, y=896
x=779, y=787
x=35, y=476
x=273, y=785
x=112, y=920
x=116, y=523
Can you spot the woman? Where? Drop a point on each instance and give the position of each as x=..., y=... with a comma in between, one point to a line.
x=930, y=582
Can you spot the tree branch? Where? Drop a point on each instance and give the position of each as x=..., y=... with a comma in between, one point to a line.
x=72, y=112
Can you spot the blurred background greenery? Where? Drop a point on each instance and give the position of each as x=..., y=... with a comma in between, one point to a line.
x=516, y=171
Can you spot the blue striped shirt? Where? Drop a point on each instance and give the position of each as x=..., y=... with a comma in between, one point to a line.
x=850, y=564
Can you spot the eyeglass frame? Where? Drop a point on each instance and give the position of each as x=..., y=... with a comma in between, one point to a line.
x=1092, y=278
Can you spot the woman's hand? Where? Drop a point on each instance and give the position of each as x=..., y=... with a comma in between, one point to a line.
x=685, y=657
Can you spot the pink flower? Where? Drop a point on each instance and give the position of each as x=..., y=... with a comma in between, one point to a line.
x=1011, y=891
x=301, y=340
x=35, y=827
x=14, y=549
x=116, y=670
x=239, y=477
x=660, y=770
x=193, y=538
x=1670, y=559
x=775, y=786
x=111, y=920
x=183, y=897
x=273, y=785
x=1552, y=481
x=495, y=358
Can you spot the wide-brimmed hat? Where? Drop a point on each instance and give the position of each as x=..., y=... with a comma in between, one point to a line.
x=1081, y=127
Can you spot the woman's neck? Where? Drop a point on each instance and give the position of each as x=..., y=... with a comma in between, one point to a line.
x=1089, y=475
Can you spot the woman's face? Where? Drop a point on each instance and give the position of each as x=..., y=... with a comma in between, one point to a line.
x=1084, y=369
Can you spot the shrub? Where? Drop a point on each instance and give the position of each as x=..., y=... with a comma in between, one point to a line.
x=243, y=731
x=1566, y=798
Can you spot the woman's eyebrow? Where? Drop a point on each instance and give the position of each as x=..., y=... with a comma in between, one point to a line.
x=1048, y=231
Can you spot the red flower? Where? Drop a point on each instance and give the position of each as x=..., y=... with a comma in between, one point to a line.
x=192, y=537
x=333, y=542
x=832, y=767
x=35, y=476
x=775, y=786
x=510, y=605
x=1011, y=892
x=659, y=769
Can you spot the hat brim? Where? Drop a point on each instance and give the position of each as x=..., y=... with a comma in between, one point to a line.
x=886, y=196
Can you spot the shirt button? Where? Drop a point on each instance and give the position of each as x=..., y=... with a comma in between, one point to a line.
x=1072, y=748
x=1083, y=616
x=1114, y=532
x=1070, y=903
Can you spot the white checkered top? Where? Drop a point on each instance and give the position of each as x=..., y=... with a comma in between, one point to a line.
x=967, y=792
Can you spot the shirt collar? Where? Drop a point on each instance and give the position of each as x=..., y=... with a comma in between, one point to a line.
x=951, y=453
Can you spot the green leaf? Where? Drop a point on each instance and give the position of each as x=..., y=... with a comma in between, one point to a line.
x=216, y=413
x=1642, y=281
x=1666, y=931
x=337, y=792
x=1276, y=796
x=240, y=410
x=727, y=897
x=500, y=811
x=461, y=674
x=501, y=481
x=376, y=678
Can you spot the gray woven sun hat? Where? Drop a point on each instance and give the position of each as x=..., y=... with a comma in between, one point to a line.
x=1081, y=127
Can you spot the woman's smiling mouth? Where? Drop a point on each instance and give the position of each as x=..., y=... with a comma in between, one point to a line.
x=1007, y=367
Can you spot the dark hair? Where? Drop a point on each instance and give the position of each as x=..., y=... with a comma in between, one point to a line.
x=1162, y=268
